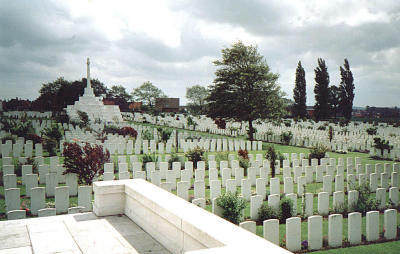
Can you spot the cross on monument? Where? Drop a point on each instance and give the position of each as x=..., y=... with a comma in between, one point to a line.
x=88, y=90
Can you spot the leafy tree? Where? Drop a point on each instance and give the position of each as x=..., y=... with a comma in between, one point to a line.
x=299, y=93
x=196, y=95
x=99, y=89
x=148, y=93
x=119, y=92
x=244, y=88
x=346, y=90
x=17, y=104
x=321, y=91
x=334, y=100
x=48, y=97
x=120, y=96
x=56, y=95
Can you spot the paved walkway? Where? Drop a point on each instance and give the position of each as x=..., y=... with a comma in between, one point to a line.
x=76, y=233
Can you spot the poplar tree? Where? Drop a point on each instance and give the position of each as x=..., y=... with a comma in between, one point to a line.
x=321, y=91
x=299, y=93
x=346, y=90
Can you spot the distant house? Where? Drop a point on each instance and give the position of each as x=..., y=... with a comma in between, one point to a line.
x=135, y=106
x=108, y=102
x=167, y=104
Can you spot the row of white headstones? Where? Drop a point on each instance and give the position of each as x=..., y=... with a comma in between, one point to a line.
x=51, y=175
x=315, y=235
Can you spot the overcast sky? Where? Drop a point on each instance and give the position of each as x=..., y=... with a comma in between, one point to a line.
x=173, y=43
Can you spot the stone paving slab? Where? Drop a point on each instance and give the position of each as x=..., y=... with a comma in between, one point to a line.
x=76, y=233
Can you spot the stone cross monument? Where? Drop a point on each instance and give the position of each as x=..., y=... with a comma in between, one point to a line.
x=88, y=89
x=93, y=105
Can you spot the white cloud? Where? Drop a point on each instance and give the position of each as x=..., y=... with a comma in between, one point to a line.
x=173, y=43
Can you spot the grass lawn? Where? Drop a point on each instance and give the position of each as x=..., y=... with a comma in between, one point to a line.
x=379, y=248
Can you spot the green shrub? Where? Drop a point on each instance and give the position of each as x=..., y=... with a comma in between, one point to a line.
x=147, y=157
x=165, y=134
x=195, y=155
x=272, y=156
x=366, y=201
x=8, y=136
x=330, y=133
x=285, y=209
x=286, y=137
x=18, y=168
x=83, y=119
x=265, y=213
x=110, y=129
x=35, y=166
x=174, y=158
x=371, y=131
x=233, y=206
x=191, y=122
x=50, y=145
x=222, y=156
x=321, y=128
x=244, y=163
x=53, y=132
x=318, y=152
x=382, y=144
x=21, y=129
x=340, y=209
x=147, y=135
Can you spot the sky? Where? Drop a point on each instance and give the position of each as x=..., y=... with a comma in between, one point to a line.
x=173, y=43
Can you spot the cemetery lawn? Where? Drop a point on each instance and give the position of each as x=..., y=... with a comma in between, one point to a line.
x=388, y=247
x=381, y=248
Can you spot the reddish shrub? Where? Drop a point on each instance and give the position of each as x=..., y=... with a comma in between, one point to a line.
x=244, y=154
x=128, y=131
x=35, y=138
x=86, y=162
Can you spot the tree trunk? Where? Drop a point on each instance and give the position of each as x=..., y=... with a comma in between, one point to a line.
x=251, y=130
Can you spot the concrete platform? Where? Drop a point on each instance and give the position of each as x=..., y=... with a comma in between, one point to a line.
x=76, y=233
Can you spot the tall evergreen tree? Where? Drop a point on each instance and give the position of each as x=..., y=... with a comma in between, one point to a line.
x=299, y=93
x=346, y=90
x=321, y=91
x=334, y=100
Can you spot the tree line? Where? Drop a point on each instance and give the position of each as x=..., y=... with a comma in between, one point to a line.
x=330, y=101
x=58, y=94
